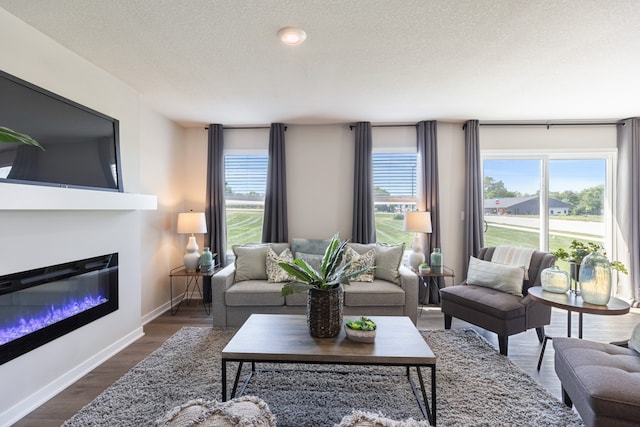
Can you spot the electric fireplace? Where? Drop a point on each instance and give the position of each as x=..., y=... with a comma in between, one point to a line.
x=40, y=305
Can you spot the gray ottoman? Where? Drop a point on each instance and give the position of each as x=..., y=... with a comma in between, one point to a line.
x=601, y=380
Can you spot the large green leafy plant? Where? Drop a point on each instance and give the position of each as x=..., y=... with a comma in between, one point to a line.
x=578, y=250
x=333, y=272
x=11, y=136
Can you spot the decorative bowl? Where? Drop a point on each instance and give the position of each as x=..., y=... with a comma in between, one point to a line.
x=360, y=336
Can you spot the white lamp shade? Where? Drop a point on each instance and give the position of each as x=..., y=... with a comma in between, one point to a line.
x=192, y=222
x=417, y=222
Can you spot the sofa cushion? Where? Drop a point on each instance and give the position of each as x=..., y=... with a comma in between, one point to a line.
x=299, y=299
x=242, y=411
x=309, y=246
x=388, y=260
x=478, y=299
x=275, y=273
x=359, y=262
x=501, y=277
x=377, y=293
x=634, y=341
x=254, y=293
x=601, y=379
x=250, y=262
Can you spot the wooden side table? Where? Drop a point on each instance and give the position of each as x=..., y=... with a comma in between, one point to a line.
x=193, y=282
x=573, y=303
x=432, y=277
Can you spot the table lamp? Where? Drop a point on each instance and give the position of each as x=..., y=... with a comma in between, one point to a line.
x=191, y=223
x=417, y=222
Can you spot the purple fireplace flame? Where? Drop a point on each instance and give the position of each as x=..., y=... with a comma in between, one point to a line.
x=41, y=305
x=54, y=314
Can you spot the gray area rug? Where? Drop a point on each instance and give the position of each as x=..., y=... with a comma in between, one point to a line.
x=476, y=386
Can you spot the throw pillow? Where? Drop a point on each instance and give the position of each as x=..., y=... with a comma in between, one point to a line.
x=634, y=341
x=358, y=262
x=388, y=259
x=314, y=260
x=251, y=262
x=308, y=246
x=242, y=411
x=275, y=273
x=501, y=277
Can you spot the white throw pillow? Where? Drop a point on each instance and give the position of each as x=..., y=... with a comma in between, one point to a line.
x=388, y=259
x=275, y=273
x=251, y=262
x=358, y=262
x=501, y=277
x=634, y=341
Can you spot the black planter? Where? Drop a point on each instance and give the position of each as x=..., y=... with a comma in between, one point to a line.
x=324, y=312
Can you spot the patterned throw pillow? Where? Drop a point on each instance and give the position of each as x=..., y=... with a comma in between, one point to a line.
x=275, y=273
x=358, y=262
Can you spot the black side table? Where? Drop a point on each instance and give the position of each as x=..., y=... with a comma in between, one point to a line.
x=193, y=282
x=426, y=279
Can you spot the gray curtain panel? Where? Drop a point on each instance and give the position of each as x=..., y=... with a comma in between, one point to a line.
x=627, y=230
x=428, y=198
x=363, y=225
x=216, y=237
x=274, y=226
x=473, y=204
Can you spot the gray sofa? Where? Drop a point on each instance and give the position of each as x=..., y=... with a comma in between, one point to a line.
x=500, y=312
x=242, y=288
x=601, y=380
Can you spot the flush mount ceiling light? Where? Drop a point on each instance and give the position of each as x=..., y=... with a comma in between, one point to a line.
x=292, y=36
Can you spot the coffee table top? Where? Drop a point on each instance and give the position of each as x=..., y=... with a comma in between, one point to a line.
x=283, y=337
x=571, y=302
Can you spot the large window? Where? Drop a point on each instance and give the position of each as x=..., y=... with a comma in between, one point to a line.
x=394, y=193
x=546, y=201
x=245, y=187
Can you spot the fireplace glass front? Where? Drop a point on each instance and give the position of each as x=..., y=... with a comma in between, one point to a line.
x=38, y=306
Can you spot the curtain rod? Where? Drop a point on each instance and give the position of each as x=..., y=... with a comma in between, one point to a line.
x=548, y=125
x=245, y=127
x=384, y=126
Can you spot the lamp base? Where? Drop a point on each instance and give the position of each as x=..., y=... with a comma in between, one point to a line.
x=191, y=257
x=416, y=257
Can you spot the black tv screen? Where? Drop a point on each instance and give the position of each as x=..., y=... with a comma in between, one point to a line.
x=81, y=146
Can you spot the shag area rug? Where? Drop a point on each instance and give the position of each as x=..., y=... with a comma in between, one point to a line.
x=476, y=386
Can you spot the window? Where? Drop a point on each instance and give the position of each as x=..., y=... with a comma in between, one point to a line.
x=245, y=187
x=546, y=201
x=394, y=193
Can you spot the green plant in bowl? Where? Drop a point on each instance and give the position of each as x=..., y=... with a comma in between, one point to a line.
x=362, y=324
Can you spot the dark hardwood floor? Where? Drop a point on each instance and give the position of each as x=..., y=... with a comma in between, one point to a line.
x=524, y=350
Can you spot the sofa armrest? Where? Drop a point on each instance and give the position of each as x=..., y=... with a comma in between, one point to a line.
x=409, y=283
x=220, y=282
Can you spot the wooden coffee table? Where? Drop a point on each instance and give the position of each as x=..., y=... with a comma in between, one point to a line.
x=279, y=338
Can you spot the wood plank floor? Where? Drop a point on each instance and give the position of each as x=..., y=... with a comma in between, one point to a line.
x=524, y=350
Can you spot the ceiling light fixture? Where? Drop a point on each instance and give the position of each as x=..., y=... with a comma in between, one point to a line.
x=292, y=36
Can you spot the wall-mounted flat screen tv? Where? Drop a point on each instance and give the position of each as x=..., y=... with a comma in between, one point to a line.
x=81, y=146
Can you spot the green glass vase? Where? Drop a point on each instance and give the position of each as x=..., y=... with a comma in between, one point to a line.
x=595, y=279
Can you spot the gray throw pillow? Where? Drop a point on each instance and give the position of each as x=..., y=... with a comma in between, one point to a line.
x=251, y=262
x=634, y=341
x=501, y=277
x=309, y=246
x=388, y=259
x=314, y=260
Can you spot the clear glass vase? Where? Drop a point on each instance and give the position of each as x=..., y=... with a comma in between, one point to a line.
x=595, y=279
x=555, y=280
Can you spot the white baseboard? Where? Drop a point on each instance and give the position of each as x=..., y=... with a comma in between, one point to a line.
x=21, y=409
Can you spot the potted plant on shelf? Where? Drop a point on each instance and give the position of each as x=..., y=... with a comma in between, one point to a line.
x=10, y=136
x=424, y=268
x=325, y=298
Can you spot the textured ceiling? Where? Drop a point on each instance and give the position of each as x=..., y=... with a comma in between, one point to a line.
x=203, y=61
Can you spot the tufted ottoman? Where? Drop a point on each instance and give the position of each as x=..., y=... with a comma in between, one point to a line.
x=601, y=380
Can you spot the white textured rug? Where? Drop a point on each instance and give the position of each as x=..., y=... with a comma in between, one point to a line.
x=476, y=386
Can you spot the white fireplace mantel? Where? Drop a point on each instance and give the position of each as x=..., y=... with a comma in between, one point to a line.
x=17, y=197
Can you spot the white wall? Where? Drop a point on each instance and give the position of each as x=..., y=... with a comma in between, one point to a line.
x=35, y=238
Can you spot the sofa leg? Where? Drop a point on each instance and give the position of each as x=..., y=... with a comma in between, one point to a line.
x=566, y=399
x=503, y=343
x=447, y=321
x=541, y=334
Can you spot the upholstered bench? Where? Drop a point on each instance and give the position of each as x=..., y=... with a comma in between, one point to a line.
x=601, y=380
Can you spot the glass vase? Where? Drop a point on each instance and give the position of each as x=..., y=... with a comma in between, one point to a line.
x=595, y=279
x=553, y=279
x=436, y=261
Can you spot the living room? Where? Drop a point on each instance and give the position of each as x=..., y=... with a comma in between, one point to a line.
x=163, y=158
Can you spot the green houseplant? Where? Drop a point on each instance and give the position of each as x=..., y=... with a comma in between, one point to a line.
x=578, y=250
x=325, y=294
x=10, y=136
